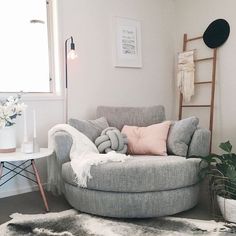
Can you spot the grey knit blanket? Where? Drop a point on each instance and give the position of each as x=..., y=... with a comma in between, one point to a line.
x=111, y=139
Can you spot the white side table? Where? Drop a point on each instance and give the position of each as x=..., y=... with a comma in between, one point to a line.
x=26, y=161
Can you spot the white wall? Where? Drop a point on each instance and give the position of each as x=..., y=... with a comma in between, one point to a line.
x=193, y=17
x=93, y=80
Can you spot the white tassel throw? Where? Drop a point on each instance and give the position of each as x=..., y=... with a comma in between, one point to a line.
x=185, y=74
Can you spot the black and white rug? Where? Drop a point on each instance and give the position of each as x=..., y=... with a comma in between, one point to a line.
x=72, y=223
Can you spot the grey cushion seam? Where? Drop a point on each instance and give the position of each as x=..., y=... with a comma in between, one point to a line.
x=105, y=191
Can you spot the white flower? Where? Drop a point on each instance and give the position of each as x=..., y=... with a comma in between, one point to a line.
x=1, y=111
x=9, y=110
x=10, y=99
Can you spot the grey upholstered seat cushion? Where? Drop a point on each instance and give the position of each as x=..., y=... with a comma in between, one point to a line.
x=140, y=174
x=137, y=116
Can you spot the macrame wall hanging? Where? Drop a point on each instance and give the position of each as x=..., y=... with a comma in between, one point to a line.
x=185, y=74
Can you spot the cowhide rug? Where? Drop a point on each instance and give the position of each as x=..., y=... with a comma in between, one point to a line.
x=72, y=223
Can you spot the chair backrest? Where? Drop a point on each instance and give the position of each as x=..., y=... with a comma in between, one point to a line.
x=134, y=116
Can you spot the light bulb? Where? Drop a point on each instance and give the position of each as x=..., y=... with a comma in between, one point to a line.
x=72, y=55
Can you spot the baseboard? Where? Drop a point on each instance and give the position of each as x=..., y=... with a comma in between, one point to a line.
x=17, y=191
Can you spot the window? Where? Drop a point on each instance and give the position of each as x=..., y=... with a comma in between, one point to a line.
x=24, y=46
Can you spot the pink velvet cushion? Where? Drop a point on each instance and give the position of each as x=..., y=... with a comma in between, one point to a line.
x=149, y=140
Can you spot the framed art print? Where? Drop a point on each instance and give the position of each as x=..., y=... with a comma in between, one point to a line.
x=127, y=42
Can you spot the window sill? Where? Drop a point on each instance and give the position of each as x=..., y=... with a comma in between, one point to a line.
x=36, y=96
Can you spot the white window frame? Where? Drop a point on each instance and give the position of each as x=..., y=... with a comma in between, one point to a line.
x=55, y=82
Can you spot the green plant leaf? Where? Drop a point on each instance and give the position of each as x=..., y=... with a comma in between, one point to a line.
x=231, y=173
x=233, y=159
x=217, y=160
x=222, y=168
x=227, y=147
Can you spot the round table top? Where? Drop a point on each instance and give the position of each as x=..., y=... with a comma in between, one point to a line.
x=20, y=156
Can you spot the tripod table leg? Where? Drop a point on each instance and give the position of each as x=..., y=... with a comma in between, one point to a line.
x=1, y=169
x=40, y=185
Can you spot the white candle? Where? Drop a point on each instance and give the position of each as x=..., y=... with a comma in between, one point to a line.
x=25, y=126
x=34, y=114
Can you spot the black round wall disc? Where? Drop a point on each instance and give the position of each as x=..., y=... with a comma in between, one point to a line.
x=216, y=33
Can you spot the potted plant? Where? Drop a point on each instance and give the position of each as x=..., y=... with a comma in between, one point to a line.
x=10, y=108
x=221, y=169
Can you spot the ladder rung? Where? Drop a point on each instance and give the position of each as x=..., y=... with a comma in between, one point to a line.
x=204, y=59
x=203, y=82
x=192, y=39
x=196, y=105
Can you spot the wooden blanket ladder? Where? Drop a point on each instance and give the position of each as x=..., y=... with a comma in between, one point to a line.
x=186, y=40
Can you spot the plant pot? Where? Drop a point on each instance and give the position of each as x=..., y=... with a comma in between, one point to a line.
x=7, y=139
x=227, y=208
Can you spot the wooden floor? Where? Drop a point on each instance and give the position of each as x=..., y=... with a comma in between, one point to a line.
x=31, y=203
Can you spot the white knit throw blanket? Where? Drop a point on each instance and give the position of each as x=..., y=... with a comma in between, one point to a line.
x=185, y=74
x=83, y=155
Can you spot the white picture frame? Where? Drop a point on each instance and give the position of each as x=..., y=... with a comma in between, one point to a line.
x=127, y=42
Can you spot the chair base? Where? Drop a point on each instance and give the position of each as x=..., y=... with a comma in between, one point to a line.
x=132, y=205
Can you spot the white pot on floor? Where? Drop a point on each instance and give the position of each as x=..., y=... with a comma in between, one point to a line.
x=8, y=139
x=227, y=208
